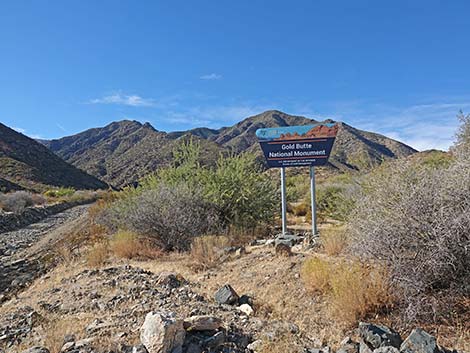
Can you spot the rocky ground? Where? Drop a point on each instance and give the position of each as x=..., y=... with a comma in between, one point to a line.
x=164, y=305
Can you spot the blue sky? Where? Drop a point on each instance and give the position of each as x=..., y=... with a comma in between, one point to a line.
x=400, y=68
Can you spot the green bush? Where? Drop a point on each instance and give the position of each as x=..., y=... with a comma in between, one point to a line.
x=59, y=192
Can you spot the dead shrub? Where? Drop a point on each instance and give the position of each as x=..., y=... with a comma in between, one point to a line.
x=55, y=331
x=97, y=255
x=334, y=241
x=301, y=209
x=207, y=251
x=17, y=201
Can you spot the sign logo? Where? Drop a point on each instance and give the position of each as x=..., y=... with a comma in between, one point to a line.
x=297, y=146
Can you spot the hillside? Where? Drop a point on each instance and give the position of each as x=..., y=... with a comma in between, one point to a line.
x=26, y=164
x=122, y=152
x=354, y=149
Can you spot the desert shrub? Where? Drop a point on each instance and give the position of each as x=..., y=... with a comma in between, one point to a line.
x=416, y=220
x=173, y=215
x=358, y=291
x=333, y=241
x=336, y=199
x=301, y=209
x=17, y=201
x=125, y=244
x=207, y=251
x=97, y=255
x=315, y=274
x=354, y=291
x=59, y=192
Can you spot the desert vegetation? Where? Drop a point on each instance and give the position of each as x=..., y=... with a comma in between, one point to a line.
x=187, y=200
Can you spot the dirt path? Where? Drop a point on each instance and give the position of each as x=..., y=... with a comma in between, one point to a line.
x=21, y=250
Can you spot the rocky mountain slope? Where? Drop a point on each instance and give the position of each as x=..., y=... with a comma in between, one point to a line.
x=121, y=152
x=25, y=163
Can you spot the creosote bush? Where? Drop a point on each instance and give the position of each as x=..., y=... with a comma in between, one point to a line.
x=415, y=218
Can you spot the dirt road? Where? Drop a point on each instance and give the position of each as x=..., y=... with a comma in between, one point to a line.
x=21, y=250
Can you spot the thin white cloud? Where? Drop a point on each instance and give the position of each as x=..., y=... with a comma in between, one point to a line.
x=19, y=129
x=422, y=126
x=212, y=76
x=124, y=99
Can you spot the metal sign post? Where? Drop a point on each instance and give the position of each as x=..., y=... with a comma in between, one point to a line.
x=312, y=198
x=283, y=201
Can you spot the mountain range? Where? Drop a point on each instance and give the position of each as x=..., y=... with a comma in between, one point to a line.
x=27, y=164
x=122, y=152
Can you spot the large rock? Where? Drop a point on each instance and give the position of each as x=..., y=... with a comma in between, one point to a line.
x=162, y=332
x=226, y=295
x=419, y=341
x=202, y=323
x=379, y=335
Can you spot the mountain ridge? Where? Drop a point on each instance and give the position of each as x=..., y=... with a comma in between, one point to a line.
x=123, y=151
x=27, y=164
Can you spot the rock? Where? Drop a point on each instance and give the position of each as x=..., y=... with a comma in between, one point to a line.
x=255, y=345
x=36, y=349
x=419, y=341
x=139, y=349
x=288, y=239
x=245, y=299
x=215, y=340
x=283, y=249
x=194, y=348
x=162, y=332
x=202, y=323
x=364, y=347
x=67, y=347
x=226, y=295
x=246, y=308
x=170, y=280
x=379, y=335
x=348, y=346
x=386, y=349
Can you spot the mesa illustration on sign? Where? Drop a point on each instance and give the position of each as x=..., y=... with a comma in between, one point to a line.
x=297, y=146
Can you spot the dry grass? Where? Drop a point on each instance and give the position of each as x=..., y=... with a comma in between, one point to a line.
x=358, y=292
x=316, y=274
x=334, y=241
x=97, y=255
x=56, y=330
x=354, y=291
x=129, y=245
x=206, y=251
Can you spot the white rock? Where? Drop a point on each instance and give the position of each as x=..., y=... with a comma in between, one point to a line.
x=255, y=346
x=162, y=332
x=246, y=308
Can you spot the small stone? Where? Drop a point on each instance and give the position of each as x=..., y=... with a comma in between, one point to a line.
x=68, y=346
x=255, y=345
x=36, y=349
x=348, y=346
x=386, y=349
x=226, y=295
x=162, y=332
x=245, y=299
x=379, y=335
x=215, y=340
x=202, y=323
x=170, y=279
x=246, y=309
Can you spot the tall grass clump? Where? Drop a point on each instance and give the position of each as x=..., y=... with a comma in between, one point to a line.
x=415, y=218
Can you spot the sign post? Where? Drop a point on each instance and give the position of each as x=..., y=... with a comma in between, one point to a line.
x=297, y=146
x=312, y=199
x=283, y=201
